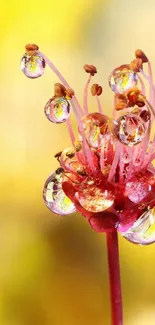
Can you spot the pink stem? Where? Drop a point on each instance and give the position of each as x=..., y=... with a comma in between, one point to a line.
x=114, y=278
x=87, y=151
x=121, y=164
x=142, y=84
x=151, y=95
x=115, y=162
x=114, y=109
x=70, y=131
x=86, y=94
x=99, y=105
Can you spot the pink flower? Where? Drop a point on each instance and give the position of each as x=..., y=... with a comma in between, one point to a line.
x=107, y=174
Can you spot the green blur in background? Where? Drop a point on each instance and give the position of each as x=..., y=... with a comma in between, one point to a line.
x=53, y=270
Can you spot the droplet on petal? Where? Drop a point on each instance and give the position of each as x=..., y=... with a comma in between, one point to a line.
x=122, y=79
x=57, y=110
x=136, y=190
x=143, y=230
x=54, y=196
x=129, y=129
x=96, y=128
x=95, y=198
x=33, y=66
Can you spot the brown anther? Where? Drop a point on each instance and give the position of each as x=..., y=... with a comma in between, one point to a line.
x=59, y=170
x=145, y=115
x=70, y=153
x=31, y=49
x=141, y=55
x=69, y=93
x=135, y=97
x=96, y=90
x=90, y=69
x=78, y=145
x=82, y=172
x=58, y=154
x=59, y=90
x=121, y=102
x=120, y=105
x=136, y=65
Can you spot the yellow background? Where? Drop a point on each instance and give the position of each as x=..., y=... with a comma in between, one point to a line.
x=53, y=270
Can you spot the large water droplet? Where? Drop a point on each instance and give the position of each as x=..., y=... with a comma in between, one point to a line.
x=57, y=110
x=122, y=79
x=96, y=128
x=33, y=66
x=143, y=230
x=129, y=129
x=95, y=198
x=54, y=196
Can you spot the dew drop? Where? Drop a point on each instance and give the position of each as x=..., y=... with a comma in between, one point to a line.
x=33, y=66
x=96, y=128
x=143, y=230
x=129, y=129
x=125, y=158
x=54, y=196
x=122, y=79
x=69, y=161
x=95, y=198
x=57, y=110
x=137, y=190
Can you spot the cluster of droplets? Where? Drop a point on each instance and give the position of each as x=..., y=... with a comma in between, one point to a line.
x=109, y=168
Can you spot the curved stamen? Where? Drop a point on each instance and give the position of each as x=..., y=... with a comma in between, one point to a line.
x=85, y=104
x=99, y=105
x=62, y=79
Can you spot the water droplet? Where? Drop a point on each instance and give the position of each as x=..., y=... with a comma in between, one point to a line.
x=33, y=66
x=143, y=230
x=137, y=162
x=69, y=161
x=54, y=196
x=95, y=198
x=122, y=79
x=129, y=129
x=96, y=127
x=137, y=189
x=57, y=110
x=125, y=158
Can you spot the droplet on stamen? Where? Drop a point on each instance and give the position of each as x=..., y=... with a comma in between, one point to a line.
x=122, y=79
x=33, y=66
x=57, y=110
x=129, y=129
x=96, y=128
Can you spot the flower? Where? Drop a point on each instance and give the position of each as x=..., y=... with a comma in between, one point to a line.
x=107, y=174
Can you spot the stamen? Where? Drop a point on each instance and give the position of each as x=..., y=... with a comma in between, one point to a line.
x=99, y=105
x=142, y=84
x=62, y=79
x=85, y=104
x=115, y=162
x=70, y=130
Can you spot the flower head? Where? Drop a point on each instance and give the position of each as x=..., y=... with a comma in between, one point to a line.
x=107, y=174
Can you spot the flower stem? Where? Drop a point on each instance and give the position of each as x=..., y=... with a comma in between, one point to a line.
x=114, y=278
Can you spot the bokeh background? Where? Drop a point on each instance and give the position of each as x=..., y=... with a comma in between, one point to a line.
x=53, y=270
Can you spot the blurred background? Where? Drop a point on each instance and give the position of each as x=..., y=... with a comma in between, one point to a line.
x=53, y=270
